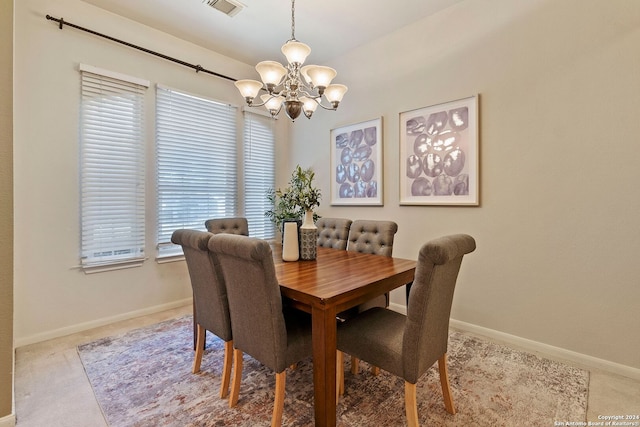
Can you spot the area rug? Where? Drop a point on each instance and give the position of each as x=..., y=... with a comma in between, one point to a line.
x=143, y=378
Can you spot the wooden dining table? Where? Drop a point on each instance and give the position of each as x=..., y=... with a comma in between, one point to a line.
x=335, y=281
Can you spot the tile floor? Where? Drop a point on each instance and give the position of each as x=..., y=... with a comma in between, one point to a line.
x=52, y=389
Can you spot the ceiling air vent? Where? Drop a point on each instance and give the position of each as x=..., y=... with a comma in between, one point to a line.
x=228, y=7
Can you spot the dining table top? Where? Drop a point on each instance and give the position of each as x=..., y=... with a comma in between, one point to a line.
x=335, y=281
x=338, y=275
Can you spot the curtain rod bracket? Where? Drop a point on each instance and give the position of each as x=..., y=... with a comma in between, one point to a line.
x=60, y=21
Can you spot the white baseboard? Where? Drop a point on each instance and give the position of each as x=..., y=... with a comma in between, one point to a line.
x=545, y=350
x=8, y=421
x=400, y=308
x=47, y=335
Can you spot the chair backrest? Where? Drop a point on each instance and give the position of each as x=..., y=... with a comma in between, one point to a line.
x=255, y=302
x=427, y=328
x=333, y=232
x=209, y=290
x=228, y=225
x=372, y=237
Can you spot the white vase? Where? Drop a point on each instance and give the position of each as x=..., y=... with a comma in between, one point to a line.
x=290, y=250
x=308, y=237
x=308, y=221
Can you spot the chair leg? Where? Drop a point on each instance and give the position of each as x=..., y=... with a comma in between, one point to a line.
x=444, y=382
x=411, y=406
x=339, y=375
x=226, y=369
x=375, y=370
x=237, y=376
x=200, y=338
x=355, y=365
x=278, y=405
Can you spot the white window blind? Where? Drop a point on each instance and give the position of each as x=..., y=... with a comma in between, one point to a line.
x=112, y=169
x=259, y=173
x=196, y=142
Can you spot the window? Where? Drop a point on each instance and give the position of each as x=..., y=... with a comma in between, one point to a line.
x=259, y=173
x=196, y=143
x=112, y=169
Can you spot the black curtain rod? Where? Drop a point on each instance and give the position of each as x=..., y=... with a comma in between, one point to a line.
x=198, y=67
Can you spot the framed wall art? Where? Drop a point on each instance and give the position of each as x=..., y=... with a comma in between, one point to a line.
x=356, y=164
x=439, y=157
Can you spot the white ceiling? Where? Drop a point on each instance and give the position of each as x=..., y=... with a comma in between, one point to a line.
x=329, y=27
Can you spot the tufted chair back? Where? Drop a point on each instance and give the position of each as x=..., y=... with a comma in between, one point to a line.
x=228, y=226
x=372, y=237
x=333, y=232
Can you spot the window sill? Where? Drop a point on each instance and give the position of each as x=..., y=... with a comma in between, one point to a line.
x=169, y=258
x=101, y=268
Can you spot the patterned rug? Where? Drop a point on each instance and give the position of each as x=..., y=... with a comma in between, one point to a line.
x=143, y=378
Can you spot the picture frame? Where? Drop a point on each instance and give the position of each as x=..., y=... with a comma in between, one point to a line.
x=439, y=154
x=357, y=164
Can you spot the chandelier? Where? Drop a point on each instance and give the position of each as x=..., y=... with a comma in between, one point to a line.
x=298, y=88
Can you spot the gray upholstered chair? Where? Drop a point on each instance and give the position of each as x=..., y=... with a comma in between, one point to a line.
x=215, y=226
x=228, y=225
x=274, y=335
x=333, y=232
x=210, y=305
x=407, y=346
x=372, y=237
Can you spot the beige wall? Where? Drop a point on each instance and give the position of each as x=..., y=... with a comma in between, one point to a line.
x=557, y=236
x=6, y=209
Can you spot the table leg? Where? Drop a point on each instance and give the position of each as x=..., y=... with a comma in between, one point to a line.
x=324, y=365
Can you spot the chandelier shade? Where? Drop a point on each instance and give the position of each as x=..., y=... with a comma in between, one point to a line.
x=249, y=88
x=299, y=89
x=309, y=104
x=272, y=103
x=271, y=72
x=334, y=93
x=295, y=52
x=320, y=76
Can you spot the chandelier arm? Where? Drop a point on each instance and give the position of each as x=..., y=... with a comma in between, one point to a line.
x=333, y=107
x=252, y=104
x=316, y=98
x=262, y=104
x=304, y=91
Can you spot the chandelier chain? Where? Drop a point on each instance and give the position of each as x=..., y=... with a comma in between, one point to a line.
x=293, y=19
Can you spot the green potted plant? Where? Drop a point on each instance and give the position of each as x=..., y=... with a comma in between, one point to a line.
x=295, y=202
x=298, y=198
